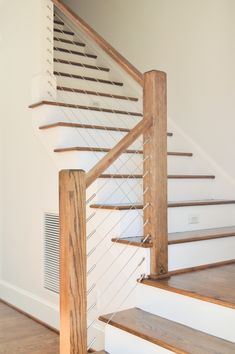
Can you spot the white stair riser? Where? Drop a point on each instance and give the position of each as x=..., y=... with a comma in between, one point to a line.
x=119, y=342
x=73, y=57
x=115, y=190
x=131, y=190
x=201, y=315
x=182, y=255
x=99, y=101
x=90, y=85
x=82, y=71
x=48, y=114
x=66, y=137
x=131, y=224
x=210, y=216
x=60, y=27
x=126, y=164
x=86, y=160
x=191, y=254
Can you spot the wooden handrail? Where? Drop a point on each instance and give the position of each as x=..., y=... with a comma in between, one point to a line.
x=102, y=43
x=73, y=184
x=116, y=151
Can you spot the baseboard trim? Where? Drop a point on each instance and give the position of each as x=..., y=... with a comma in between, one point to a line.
x=30, y=305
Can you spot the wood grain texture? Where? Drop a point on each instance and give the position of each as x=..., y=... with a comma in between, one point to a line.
x=133, y=241
x=167, y=334
x=20, y=334
x=87, y=78
x=115, y=152
x=74, y=52
x=57, y=30
x=199, y=235
x=83, y=126
x=181, y=204
x=108, y=128
x=94, y=93
x=205, y=202
x=87, y=108
x=192, y=269
x=118, y=176
x=214, y=284
x=155, y=170
x=181, y=237
x=128, y=151
x=75, y=43
x=101, y=42
x=73, y=268
x=82, y=65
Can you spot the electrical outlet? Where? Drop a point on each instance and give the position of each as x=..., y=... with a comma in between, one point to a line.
x=96, y=104
x=194, y=219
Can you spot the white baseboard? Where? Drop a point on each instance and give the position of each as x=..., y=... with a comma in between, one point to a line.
x=31, y=304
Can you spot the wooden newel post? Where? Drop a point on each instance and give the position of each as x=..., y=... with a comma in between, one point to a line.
x=155, y=170
x=73, y=270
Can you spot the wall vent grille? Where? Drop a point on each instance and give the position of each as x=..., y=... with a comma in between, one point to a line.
x=51, y=252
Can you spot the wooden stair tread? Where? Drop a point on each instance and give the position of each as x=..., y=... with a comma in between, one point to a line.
x=167, y=334
x=101, y=81
x=85, y=126
x=76, y=43
x=92, y=126
x=127, y=206
x=96, y=149
x=63, y=31
x=101, y=94
x=86, y=66
x=169, y=176
x=212, y=284
x=75, y=52
x=88, y=108
x=58, y=22
x=133, y=241
x=205, y=234
x=181, y=237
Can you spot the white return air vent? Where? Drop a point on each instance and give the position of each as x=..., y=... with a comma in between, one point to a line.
x=51, y=252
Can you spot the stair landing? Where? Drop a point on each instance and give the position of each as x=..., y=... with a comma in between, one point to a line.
x=215, y=283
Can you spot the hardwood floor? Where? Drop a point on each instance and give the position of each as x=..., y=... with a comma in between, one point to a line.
x=21, y=335
x=216, y=284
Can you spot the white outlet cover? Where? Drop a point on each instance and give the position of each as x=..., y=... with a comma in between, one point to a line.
x=194, y=219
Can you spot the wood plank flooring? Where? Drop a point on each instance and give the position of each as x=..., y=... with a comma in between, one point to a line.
x=21, y=335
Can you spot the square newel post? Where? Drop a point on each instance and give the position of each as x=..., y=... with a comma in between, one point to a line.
x=155, y=170
x=73, y=269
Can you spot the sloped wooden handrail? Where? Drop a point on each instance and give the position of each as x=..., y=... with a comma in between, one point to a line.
x=117, y=150
x=102, y=43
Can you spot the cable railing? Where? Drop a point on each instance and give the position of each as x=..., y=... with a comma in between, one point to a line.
x=96, y=277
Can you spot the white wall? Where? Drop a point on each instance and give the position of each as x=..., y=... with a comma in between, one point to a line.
x=28, y=176
x=193, y=41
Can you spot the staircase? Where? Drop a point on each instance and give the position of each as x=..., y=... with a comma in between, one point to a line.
x=187, y=308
